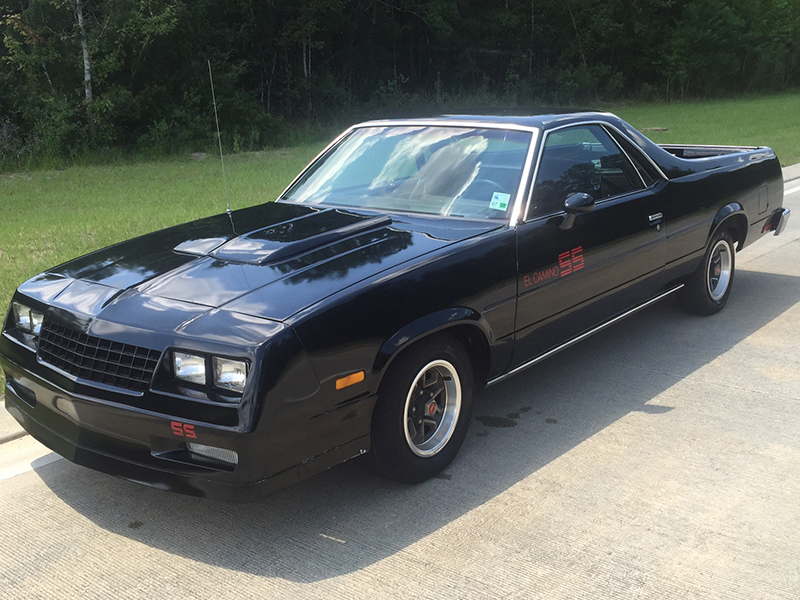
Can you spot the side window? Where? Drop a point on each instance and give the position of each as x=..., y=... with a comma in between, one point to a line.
x=581, y=159
x=646, y=170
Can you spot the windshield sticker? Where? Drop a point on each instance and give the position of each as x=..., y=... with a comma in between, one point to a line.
x=499, y=201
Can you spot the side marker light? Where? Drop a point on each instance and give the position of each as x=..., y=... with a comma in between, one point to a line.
x=351, y=379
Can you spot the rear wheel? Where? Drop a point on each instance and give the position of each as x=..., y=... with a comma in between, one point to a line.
x=423, y=410
x=707, y=290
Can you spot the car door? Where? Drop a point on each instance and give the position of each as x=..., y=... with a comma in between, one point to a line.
x=571, y=278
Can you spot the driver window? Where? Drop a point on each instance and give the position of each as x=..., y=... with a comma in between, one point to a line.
x=581, y=159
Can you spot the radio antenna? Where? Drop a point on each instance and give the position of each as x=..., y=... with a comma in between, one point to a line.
x=219, y=137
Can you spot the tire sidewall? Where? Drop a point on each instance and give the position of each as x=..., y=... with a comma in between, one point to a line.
x=394, y=457
x=697, y=296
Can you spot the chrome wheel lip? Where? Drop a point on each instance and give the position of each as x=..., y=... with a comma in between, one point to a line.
x=717, y=284
x=450, y=413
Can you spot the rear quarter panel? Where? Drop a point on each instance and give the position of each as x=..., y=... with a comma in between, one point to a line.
x=750, y=182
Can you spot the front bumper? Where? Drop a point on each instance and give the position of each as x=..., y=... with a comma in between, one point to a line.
x=143, y=447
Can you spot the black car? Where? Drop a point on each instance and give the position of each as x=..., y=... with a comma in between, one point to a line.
x=411, y=263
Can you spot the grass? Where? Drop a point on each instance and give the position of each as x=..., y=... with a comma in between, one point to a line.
x=759, y=121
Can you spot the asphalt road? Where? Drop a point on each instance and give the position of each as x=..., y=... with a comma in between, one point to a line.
x=659, y=459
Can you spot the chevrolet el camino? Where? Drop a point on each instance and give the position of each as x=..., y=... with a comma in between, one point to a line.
x=409, y=265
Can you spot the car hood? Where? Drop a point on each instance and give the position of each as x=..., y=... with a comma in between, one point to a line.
x=270, y=260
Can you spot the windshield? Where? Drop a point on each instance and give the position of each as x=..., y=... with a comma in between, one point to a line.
x=449, y=171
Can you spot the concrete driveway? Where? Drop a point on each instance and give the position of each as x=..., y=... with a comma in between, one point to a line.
x=659, y=459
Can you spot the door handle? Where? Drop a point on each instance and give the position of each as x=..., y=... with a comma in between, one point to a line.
x=656, y=220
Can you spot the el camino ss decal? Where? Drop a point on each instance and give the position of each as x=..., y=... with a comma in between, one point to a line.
x=571, y=261
x=541, y=276
x=568, y=262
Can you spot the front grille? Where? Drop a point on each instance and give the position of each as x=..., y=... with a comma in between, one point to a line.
x=112, y=363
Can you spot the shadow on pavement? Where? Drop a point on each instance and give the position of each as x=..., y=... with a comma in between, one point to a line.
x=347, y=519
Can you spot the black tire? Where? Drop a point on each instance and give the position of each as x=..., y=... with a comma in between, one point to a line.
x=707, y=290
x=409, y=443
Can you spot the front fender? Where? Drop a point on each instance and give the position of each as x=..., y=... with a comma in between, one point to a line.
x=424, y=326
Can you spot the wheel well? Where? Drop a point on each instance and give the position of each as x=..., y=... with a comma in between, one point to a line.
x=477, y=348
x=737, y=225
x=473, y=341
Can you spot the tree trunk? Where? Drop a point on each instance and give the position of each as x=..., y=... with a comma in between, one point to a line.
x=530, y=47
x=577, y=35
x=87, y=65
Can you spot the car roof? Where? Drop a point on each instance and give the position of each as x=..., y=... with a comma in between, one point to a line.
x=540, y=121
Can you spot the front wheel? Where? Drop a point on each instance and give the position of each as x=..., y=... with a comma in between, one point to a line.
x=423, y=410
x=707, y=290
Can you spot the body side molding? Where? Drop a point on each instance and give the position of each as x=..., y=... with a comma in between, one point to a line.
x=582, y=336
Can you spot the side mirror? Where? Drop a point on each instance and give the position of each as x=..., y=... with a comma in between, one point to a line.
x=574, y=205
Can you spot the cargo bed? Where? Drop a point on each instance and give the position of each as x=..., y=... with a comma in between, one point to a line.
x=696, y=151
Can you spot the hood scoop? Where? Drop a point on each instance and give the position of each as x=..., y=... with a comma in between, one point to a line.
x=200, y=247
x=296, y=236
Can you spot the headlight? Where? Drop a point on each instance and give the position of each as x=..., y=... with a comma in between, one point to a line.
x=230, y=374
x=227, y=374
x=189, y=367
x=27, y=319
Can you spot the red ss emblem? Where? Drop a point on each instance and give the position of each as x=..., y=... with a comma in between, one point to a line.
x=183, y=430
x=571, y=261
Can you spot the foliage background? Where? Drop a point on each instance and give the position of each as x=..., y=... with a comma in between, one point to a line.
x=285, y=70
